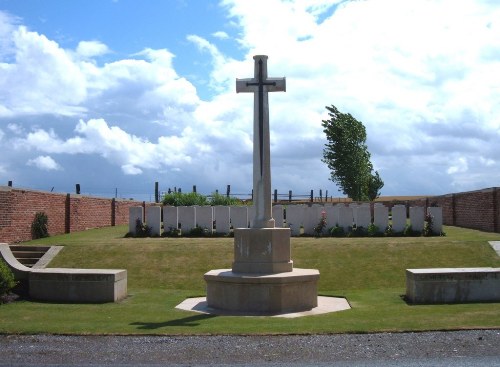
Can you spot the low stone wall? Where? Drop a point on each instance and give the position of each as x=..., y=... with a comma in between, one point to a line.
x=452, y=285
x=68, y=285
x=78, y=285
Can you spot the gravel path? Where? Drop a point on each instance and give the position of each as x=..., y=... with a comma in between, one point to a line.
x=389, y=349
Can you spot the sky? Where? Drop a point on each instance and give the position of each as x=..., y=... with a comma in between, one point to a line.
x=119, y=94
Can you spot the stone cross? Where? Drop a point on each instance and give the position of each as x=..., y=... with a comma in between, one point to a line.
x=260, y=85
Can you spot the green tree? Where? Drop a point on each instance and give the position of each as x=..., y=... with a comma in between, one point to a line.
x=347, y=156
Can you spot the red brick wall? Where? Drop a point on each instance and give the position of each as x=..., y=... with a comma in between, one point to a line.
x=18, y=209
x=66, y=213
x=473, y=209
x=69, y=213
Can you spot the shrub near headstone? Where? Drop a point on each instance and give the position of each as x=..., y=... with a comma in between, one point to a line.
x=7, y=281
x=39, y=226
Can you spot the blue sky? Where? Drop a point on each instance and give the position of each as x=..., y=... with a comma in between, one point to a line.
x=120, y=94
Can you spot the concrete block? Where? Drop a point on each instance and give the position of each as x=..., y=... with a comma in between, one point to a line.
x=453, y=285
x=78, y=285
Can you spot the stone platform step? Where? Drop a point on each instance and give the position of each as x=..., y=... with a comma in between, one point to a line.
x=34, y=256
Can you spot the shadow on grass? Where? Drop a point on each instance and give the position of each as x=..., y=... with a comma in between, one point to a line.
x=186, y=321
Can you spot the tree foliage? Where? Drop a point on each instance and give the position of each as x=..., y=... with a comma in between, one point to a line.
x=347, y=156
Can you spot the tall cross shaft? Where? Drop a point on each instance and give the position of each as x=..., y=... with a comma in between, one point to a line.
x=260, y=85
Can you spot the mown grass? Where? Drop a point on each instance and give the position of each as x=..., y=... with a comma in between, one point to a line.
x=162, y=272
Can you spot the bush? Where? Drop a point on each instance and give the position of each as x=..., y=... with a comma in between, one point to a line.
x=39, y=226
x=358, y=231
x=7, y=281
x=428, y=226
x=172, y=232
x=141, y=229
x=337, y=231
x=218, y=199
x=373, y=231
x=181, y=199
x=318, y=230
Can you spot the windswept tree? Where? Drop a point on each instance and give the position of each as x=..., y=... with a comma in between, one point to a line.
x=347, y=156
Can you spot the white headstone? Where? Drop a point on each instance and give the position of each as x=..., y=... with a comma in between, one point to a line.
x=278, y=215
x=153, y=219
x=221, y=215
x=205, y=217
x=381, y=217
x=345, y=217
x=170, y=219
x=312, y=216
x=417, y=218
x=363, y=215
x=260, y=85
x=134, y=213
x=398, y=218
x=187, y=218
x=294, y=218
x=332, y=215
x=239, y=216
x=437, y=219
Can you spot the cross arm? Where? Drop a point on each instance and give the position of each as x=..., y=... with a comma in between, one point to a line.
x=241, y=85
x=276, y=84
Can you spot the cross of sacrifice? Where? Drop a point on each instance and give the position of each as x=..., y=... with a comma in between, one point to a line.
x=260, y=85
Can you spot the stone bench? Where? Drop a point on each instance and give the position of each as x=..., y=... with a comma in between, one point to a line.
x=452, y=285
x=69, y=285
x=78, y=285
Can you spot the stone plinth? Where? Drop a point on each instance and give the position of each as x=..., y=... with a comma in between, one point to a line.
x=453, y=285
x=262, y=250
x=262, y=293
x=262, y=279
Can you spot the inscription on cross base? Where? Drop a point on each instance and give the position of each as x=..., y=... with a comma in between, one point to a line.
x=260, y=85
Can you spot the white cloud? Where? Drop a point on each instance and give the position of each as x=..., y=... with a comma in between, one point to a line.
x=220, y=35
x=459, y=166
x=15, y=128
x=422, y=77
x=45, y=163
x=90, y=49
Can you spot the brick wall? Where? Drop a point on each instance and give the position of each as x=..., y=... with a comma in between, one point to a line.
x=69, y=213
x=66, y=213
x=473, y=209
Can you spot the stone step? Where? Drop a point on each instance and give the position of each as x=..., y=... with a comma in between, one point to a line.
x=29, y=255
x=29, y=262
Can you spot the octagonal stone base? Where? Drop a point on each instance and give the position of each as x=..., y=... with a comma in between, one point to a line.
x=293, y=291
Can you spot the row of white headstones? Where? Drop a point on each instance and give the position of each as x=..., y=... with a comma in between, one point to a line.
x=300, y=218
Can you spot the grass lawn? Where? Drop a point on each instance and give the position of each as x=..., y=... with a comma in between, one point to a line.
x=162, y=272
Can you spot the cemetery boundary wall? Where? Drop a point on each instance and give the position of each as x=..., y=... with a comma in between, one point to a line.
x=478, y=209
x=65, y=212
